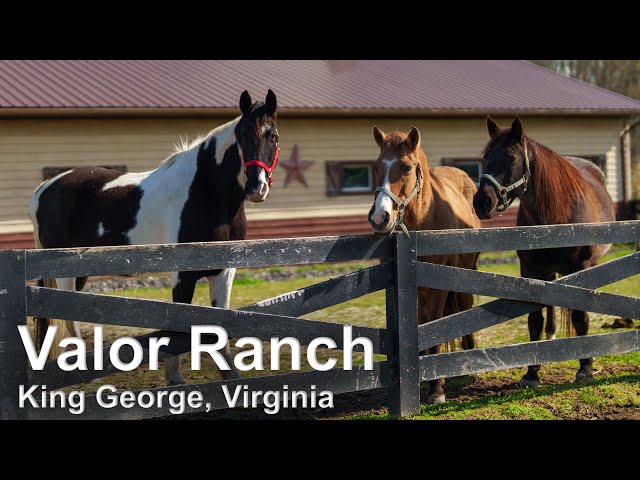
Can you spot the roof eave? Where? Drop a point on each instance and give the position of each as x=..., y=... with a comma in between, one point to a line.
x=297, y=112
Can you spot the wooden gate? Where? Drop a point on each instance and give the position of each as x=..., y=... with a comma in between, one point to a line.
x=399, y=273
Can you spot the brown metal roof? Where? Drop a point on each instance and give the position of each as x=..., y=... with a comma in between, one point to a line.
x=302, y=86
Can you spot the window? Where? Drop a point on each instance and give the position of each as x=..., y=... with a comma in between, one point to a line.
x=50, y=172
x=471, y=166
x=349, y=178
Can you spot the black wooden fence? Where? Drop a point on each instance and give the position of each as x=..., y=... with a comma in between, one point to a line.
x=399, y=273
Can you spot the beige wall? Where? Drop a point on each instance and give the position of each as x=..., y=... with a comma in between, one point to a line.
x=26, y=146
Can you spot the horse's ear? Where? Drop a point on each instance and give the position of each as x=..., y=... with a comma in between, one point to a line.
x=413, y=139
x=492, y=126
x=271, y=102
x=516, y=129
x=245, y=102
x=379, y=136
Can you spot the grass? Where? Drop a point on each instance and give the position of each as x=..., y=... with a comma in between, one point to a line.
x=615, y=392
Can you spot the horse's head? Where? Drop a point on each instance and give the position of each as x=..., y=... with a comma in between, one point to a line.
x=397, y=177
x=257, y=136
x=506, y=169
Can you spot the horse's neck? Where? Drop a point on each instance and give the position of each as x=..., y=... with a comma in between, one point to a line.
x=420, y=210
x=176, y=174
x=550, y=194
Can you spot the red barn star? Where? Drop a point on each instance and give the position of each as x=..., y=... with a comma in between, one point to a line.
x=295, y=167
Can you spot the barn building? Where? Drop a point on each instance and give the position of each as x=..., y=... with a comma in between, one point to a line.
x=55, y=115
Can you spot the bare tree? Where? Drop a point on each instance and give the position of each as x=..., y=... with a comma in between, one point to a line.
x=621, y=76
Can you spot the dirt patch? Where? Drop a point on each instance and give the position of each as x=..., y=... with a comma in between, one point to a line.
x=465, y=390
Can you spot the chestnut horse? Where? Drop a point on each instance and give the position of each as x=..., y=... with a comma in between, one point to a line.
x=434, y=199
x=552, y=189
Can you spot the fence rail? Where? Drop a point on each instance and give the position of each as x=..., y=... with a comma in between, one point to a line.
x=400, y=274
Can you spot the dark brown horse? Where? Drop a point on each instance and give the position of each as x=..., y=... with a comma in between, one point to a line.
x=411, y=195
x=553, y=190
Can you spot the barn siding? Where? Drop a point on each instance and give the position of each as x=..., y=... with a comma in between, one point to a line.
x=28, y=145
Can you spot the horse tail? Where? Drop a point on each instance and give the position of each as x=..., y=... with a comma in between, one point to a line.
x=567, y=324
x=42, y=324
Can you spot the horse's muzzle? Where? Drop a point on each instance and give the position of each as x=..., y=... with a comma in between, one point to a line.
x=485, y=204
x=258, y=194
x=380, y=222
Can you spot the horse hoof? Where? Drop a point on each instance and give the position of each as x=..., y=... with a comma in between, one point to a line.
x=582, y=377
x=526, y=383
x=176, y=381
x=436, y=398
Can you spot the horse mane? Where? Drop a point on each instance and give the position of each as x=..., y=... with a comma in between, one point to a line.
x=557, y=183
x=184, y=144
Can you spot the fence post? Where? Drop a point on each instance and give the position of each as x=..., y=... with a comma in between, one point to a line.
x=402, y=320
x=13, y=312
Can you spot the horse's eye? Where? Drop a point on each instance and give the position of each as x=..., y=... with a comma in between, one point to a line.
x=273, y=136
x=406, y=169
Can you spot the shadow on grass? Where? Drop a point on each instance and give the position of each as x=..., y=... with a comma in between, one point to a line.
x=521, y=394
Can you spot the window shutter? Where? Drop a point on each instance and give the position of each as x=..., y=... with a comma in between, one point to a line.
x=335, y=178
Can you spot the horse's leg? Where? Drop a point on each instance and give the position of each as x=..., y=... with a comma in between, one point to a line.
x=436, y=387
x=184, y=284
x=580, y=322
x=550, y=325
x=535, y=323
x=220, y=295
x=431, y=304
x=465, y=302
x=73, y=327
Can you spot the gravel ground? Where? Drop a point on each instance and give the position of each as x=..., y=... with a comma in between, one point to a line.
x=108, y=284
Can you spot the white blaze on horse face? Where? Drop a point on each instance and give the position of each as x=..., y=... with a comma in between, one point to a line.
x=383, y=203
x=264, y=183
x=260, y=193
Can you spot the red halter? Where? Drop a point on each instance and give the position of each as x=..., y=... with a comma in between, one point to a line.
x=263, y=165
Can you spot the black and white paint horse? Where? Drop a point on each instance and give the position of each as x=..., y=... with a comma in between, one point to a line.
x=195, y=195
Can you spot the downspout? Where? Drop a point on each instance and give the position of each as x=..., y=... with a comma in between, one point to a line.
x=625, y=156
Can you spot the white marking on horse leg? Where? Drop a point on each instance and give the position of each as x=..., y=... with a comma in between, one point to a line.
x=175, y=279
x=100, y=229
x=550, y=336
x=220, y=291
x=383, y=203
x=220, y=287
x=172, y=371
x=69, y=283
